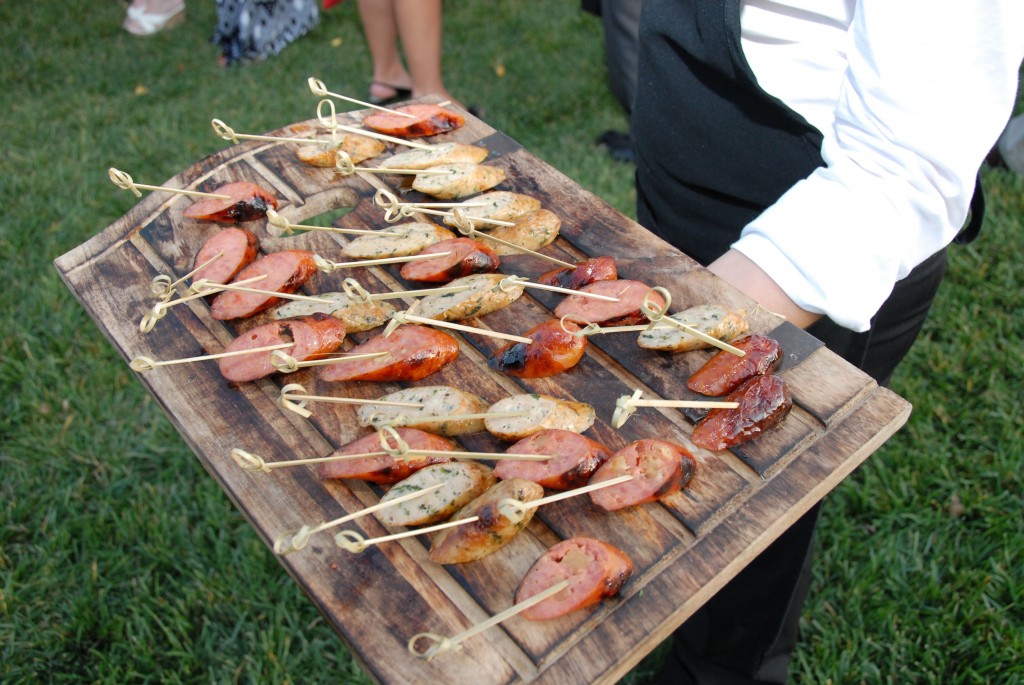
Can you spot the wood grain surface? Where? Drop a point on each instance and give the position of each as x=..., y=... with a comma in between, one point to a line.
x=684, y=548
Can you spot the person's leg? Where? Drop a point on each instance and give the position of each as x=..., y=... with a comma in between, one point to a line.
x=419, y=26
x=381, y=30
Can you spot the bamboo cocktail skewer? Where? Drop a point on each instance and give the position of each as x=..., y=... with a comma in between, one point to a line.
x=159, y=310
x=125, y=182
x=626, y=406
x=317, y=87
x=227, y=133
x=142, y=363
x=333, y=124
x=394, y=210
x=292, y=398
x=283, y=227
x=327, y=266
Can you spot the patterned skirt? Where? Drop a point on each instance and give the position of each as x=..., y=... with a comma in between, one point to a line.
x=249, y=30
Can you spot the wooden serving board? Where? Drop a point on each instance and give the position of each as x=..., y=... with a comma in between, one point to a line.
x=683, y=549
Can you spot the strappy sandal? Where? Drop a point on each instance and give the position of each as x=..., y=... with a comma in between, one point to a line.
x=400, y=94
x=142, y=22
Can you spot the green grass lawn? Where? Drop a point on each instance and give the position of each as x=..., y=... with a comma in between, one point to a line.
x=122, y=561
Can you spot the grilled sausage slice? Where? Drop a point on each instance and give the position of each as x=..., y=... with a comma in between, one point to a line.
x=501, y=205
x=725, y=371
x=436, y=401
x=459, y=180
x=237, y=248
x=709, y=319
x=492, y=531
x=314, y=337
x=625, y=312
x=584, y=273
x=764, y=402
x=285, y=272
x=413, y=353
x=595, y=570
x=442, y=153
x=532, y=231
x=413, y=237
x=461, y=483
x=359, y=149
x=427, y=120
x=483, y=295
x=466, y=257
x=659, y=468
x=574, y=460
x=540, y=412
x=247, y=202
x=356, y=314
x=553, y=350
x=386, y=469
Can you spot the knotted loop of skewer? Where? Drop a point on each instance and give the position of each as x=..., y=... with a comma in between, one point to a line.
x=277, y=225
x=508, y=283
x=355, y=290
x=387, y=432
x=284, y=362
x=443, y=644
x=350, y=541
x=142, y=363
x=249, y=461
x=286, y=401
x=150, y=318
x=333, y=125
x=223, y=130
x=651, y=309
x=625, y=407
x=162, y=286
x=658, y=315
x=587, y=328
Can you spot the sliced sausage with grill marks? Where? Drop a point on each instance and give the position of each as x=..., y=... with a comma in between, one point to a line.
x=709, y=319
x=285, y=272
x=247, y=202
x=237, y=247
x=427, y=120
x=492, y=531
x=412, y=353
x=532, y=231
x=625, y=312
x=466, y=257
x=595, y=571
x=553, y=350
x=314, y=336
x=574, y=459
x=725, y=371
x=764, y=402
x=386, y=469
x=659, y=468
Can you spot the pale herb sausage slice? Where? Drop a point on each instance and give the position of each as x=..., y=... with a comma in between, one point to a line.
x=461, y=482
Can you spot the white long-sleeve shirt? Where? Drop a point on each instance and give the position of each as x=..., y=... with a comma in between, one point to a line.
x=910, y=96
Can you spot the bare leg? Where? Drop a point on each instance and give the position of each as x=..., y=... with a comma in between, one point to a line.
x=380, y=28
x=419, y=25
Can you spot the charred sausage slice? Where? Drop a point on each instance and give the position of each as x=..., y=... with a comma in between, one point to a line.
x=595, y=570
x=625, y=312
x=285, y=272
x=574, y=460
x=237, y=248
x=247, y=201
x=659, y=468
x=413, y=352
x=466, y=257
x=427, y=120
x=764, y=402
x=314, y=337
x=584, y=273
x=461, y=482
x=725, y=371
x=386, y=469
x=553, y=350
x=492, y=531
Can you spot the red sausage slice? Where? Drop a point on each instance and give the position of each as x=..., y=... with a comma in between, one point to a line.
x=764, y=402
x=584, y=273
x=725, y=371
x=466, y=257
x=575, y=459
x=552, y=351
x=595, y=570
x=314, y=337
x=386, y=469
x=625, y=312
x=427, y=120
x=659, y=468
x=285, y=272
x=248, y=201
x=413, y=352
x=237, y=247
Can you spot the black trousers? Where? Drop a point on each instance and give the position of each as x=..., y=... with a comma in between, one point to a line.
x=747, y=632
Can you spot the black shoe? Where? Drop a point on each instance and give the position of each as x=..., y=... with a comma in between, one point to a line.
x=619, y=144
x=400, y=95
